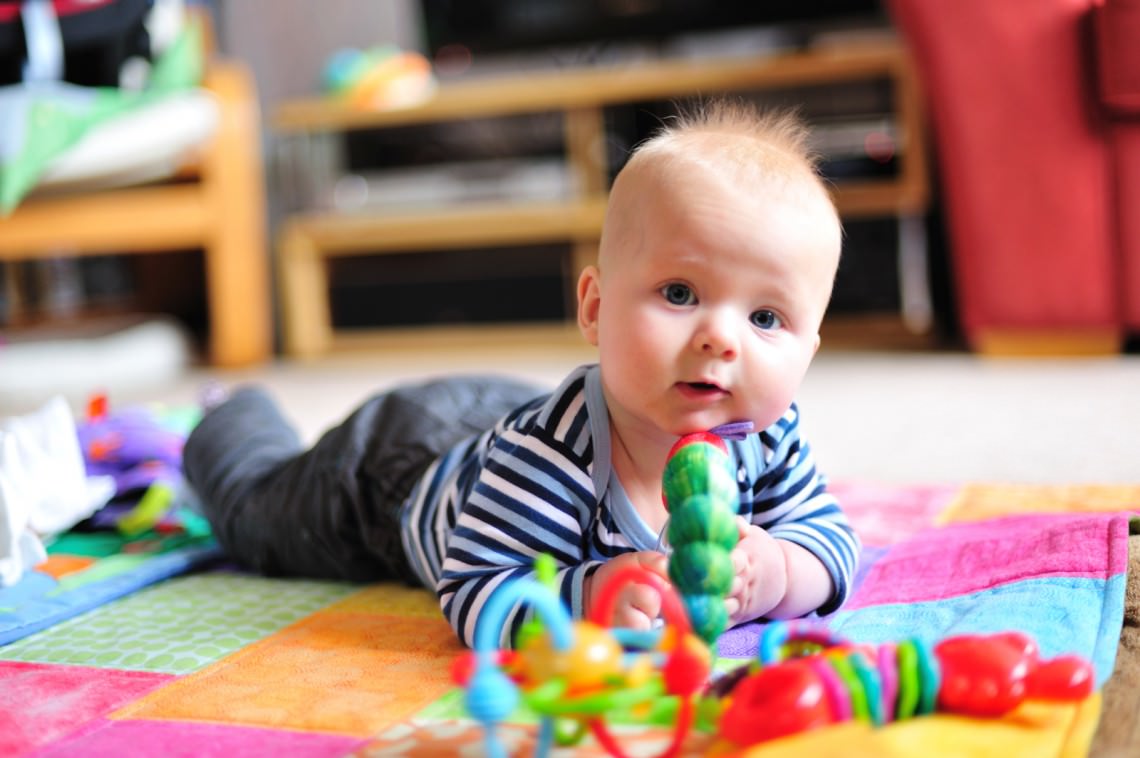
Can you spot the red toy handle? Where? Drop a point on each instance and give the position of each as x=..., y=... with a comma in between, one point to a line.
x=671, y=606
x=683, y=673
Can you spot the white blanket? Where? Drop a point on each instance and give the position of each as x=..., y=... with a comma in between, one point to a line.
x=44, y=487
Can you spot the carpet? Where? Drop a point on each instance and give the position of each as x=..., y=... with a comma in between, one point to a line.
x=217, y=662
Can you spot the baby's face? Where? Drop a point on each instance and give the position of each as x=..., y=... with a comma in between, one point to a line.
x=709, y=308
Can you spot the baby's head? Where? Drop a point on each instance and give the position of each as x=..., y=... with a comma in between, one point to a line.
x=716, y=264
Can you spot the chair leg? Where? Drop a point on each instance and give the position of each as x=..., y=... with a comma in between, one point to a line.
x=237, y=264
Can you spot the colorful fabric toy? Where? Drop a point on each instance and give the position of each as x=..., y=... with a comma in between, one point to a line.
x=141, y=450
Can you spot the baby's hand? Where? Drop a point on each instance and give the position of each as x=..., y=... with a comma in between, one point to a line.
x=761, y=574
x=638, y=605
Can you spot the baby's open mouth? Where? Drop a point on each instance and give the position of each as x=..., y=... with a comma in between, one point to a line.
x=703, y=387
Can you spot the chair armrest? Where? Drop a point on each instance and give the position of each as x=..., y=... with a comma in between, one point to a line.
x=1116, y=29
x=231, y=82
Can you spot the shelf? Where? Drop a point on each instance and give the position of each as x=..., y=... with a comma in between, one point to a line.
x=129, y=220
x=570, y=89
x=467, y=226
x=309, y=238
x=881, y=197
x=533, y=336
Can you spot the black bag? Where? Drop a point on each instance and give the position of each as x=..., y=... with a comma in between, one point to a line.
x=97, y=37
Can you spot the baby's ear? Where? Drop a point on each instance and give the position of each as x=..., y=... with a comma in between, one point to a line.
x=589, y=303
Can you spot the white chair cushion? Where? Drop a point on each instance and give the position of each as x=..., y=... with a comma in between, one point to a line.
x=144, y=144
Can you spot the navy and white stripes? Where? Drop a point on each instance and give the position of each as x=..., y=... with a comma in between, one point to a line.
x=481, y=514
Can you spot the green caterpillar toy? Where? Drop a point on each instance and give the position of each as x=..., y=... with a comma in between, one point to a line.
x=700, y=492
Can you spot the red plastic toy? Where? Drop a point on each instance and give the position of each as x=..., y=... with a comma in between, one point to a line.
x=807, y=678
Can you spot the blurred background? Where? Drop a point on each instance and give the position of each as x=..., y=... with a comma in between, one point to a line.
x=329, y=198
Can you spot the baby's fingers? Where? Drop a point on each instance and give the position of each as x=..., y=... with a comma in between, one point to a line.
x=737, y=586
x=655, y=562
x=637, y=608
x=739, y=561
x=644, y=598
x=628, y=617
x=732, y=605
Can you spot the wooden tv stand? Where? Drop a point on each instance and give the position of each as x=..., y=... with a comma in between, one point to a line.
x=309, y=238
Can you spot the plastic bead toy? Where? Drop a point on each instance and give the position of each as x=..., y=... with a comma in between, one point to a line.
x=574, y=674
x=699, y=488
x=806, y=678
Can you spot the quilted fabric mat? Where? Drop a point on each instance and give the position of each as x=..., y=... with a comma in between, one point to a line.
x=87, y=570
x=226, y=664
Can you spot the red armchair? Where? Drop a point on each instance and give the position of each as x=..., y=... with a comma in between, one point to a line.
x=1035, y=109
x=1117, y=35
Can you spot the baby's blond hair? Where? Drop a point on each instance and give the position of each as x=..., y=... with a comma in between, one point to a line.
x=737, y=137
x=734, y=141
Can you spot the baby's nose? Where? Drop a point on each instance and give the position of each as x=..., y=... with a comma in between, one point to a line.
x=717, y=337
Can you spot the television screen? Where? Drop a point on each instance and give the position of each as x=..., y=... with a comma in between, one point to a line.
x=499, y=26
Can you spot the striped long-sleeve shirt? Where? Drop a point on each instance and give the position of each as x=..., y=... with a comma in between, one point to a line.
x=541, y=481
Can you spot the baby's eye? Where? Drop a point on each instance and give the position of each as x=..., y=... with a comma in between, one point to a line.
x=765, y=319
x=678, y=294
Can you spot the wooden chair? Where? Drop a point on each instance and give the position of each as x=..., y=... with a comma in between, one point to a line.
x=220, y=210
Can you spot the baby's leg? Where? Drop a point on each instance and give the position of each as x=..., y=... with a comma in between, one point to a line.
x=282, y=509
x=233, y=460
x=332, y=511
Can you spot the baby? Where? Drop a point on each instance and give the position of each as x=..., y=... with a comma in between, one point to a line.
x=715, y=268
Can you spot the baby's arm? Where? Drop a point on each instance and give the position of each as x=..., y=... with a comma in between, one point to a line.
x=774, y=578
x=799, y=552
x=532, y=496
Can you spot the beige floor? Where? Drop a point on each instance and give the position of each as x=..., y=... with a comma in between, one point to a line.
x=889, y=417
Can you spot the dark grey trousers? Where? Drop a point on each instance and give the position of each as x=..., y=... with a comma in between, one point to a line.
x=332, y=511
